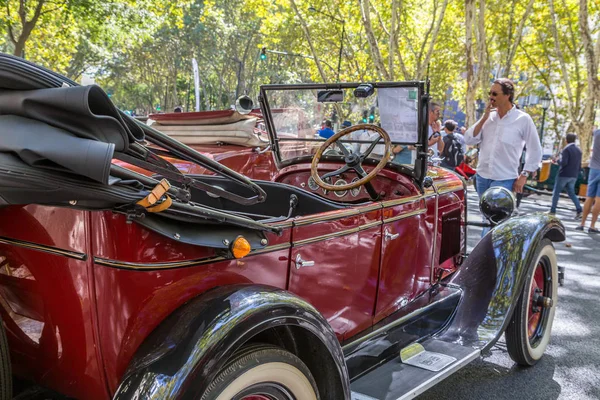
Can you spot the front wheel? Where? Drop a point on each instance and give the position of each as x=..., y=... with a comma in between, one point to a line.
x=263, y=372
x=528, y=332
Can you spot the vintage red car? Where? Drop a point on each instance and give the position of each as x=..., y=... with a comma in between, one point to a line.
x=334, y=273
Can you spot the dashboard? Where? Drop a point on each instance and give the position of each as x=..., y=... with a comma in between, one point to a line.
x=386, y=187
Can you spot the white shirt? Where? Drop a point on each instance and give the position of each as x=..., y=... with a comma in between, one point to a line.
x=501, y=145
x=461, y=140
x=435, y=147
x=370, y=136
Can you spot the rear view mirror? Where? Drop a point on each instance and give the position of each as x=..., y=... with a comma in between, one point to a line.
x=330, y=96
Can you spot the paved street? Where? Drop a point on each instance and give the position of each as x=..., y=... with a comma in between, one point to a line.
x=571, y=367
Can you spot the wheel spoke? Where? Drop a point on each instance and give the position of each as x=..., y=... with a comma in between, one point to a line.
x=336, y=172
x=342, y=148
x=360, y=171
x=367, y=152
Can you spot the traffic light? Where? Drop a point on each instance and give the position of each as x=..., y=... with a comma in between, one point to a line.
x=372, y=115
x=365, y=116
x=263, y=54
x=158, y=107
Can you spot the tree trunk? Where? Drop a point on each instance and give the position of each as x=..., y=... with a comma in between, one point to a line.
x=393, y=39
x=27, y=26
x=514, y=44
x=483, y=72
x=422, y=68
x=309, y=40
x=365, y=11
x=471, y=76
x=582, y=117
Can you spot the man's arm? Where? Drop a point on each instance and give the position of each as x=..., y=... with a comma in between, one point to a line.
x=564, y=158
x=533, y=155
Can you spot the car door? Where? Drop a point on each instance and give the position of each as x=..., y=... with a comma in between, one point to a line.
x=335, y=263
x=405, y=252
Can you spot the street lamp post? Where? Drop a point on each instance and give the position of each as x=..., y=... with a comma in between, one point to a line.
x=341, y=21
x=545, y=102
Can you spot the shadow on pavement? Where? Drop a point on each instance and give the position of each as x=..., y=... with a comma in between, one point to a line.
x=483, y=379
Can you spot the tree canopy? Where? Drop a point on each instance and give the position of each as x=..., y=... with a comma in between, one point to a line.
x=141, y=51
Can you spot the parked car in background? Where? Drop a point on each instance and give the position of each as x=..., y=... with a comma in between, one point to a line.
x=135, y=267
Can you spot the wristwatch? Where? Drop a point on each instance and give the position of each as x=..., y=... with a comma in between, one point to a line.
x=524, y=173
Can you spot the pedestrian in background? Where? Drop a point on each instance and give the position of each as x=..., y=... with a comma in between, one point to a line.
x=570, y=165
x=451, y=150
x=502, y=133
x=326, y=132
x=593, y=189
x=435, y=127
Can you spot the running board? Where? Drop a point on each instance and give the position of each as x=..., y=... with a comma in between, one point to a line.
x=397, y=380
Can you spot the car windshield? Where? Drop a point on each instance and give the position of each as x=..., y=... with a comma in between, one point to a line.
x=303, y=118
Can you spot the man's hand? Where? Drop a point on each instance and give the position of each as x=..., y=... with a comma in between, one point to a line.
x=436, y=126
x=519, y=183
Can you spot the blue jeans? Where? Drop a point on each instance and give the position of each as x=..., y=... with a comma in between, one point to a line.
x=593, y=189
x=482, y=184
x=561, y=183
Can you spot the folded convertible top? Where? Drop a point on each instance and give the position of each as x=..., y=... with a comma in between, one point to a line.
x=58, y=140
x=20, y=80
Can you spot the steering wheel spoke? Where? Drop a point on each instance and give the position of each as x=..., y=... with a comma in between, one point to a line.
x=336, y=172
x=370, y=149
x=342, y=148
x=360, y=171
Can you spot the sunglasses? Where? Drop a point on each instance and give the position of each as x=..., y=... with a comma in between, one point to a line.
x=494, y=94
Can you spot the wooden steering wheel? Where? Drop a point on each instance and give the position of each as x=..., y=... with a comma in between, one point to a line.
x=353, y=160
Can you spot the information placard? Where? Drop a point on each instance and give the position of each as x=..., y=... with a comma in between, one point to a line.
x=398, y=110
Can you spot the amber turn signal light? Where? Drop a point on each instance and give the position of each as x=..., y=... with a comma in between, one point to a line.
x=240, y=247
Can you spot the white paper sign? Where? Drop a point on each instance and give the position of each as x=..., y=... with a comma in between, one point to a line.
x=398, y=110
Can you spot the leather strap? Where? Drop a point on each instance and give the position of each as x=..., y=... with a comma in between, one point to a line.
x=149, y=202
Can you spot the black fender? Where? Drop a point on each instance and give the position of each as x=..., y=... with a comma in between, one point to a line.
x=184, y=354
x=493, y=275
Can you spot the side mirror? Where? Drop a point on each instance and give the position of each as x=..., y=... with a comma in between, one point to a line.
x=244, y=105
x=497, y=204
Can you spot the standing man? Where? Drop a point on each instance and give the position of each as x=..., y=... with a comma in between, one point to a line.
x=435, y=127
x=593, y=190
x=570, y=165
x=502, y=132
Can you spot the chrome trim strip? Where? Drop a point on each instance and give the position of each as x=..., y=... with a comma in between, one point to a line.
x=446, y=190
x=397, y=202
x=369, y=208
x=405, y=215
x=178, y=264
x=326, y=237
x=269, y=249
x=441, y=375
x=44, y=248
x=370, y=225
x=323, y=218
x=435, y=234
x=401, y=320
x=175, y=264
x=283, y=225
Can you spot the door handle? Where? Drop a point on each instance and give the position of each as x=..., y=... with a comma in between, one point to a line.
x=389, y=236
x=301, y=263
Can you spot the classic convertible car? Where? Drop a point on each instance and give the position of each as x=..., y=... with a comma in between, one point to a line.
x=344, y=275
